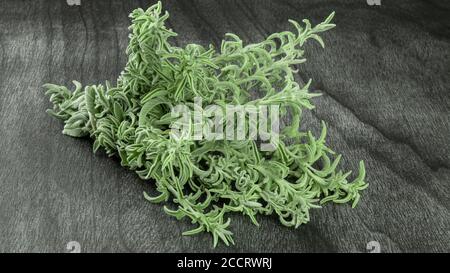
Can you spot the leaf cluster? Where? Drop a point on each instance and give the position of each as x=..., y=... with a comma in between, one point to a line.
x=206, y=180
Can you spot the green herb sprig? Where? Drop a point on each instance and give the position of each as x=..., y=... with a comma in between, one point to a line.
x=208, y=179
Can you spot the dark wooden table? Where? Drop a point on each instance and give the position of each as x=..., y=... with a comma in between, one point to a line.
x=385, y=76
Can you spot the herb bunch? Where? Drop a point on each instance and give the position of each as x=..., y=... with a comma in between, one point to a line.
x=207, y=179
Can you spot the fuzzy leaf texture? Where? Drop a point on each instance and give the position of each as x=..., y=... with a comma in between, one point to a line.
x=205, y=180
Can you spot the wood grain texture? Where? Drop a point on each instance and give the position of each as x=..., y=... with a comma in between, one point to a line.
x=384, y=75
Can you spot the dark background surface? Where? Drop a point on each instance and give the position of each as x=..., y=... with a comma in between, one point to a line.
x=385, y=78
